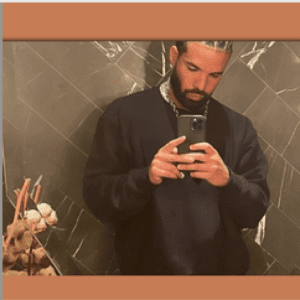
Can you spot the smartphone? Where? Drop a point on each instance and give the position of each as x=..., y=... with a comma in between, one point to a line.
x=194, y=128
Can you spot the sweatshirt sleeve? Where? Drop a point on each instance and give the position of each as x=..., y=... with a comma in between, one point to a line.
x=246, y=197
x=112, y=188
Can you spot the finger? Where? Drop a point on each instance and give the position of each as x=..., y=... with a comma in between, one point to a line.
x=173, y=143
x=208, y=148
x=195, y=167
x=198, y=156
x=168, y=167
x=175, y=158
x=175, y=150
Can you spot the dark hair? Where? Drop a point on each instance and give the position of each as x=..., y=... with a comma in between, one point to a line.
x=222, y=45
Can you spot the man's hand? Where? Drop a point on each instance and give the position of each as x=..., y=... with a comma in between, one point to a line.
x=211, y=166
x=163, y=163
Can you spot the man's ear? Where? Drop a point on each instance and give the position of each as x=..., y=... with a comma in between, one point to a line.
x=173, y=55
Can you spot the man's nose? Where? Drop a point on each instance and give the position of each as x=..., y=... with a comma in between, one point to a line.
x=201, y=81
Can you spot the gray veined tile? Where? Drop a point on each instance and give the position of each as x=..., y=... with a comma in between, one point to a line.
x=257, y=111
x=107, y=85
x=275, y=177
x=14, y=109
x=260, y=260
x=239, y=87
x=7, y=48
x=91, y=244
x=54, y=98
x=84, y=133
x=74, y=60
x=290, y=203
x=112, y=49
x=278, y=125
x=295, y=271
x=279, y=67
x=255, y=51
x=139, y=68
x=282, y=238
x=277, y=269
x=294, y=46
x=263, y=144
x=292, y=150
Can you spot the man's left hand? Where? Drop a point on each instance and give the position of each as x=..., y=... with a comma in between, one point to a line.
x=210, y=166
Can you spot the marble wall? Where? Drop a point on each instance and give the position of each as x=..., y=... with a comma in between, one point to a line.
x=55, y=92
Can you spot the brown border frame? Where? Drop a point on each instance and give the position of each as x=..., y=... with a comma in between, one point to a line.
x=151, y=21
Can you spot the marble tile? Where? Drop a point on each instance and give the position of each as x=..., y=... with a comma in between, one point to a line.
x=54, y=157
x=83, y=269
x=292, y=150
x=239, y=87
x=91, y=244
x=83, y=136
x=112, y=49
x=75, y=60
x=237, y=49
x=277, y=269
x=63, y=260
x=54, y=98
x=13, y=174
x=257, y=111
x=278, y=125
x=27, y=65
x=52, y=195
x=140, y=69
x=275, y=177
x=282, y=246
x=67, y=213
x=260, y=260
x=290, y=203
x=294, y=46
x=43, y=146
x=68, y=176
x=12, y=139
x=49, y=193
x=295, y=271
x=14, y=110
x=105, y=86
x=7, y=51
x=155, y=54
x=113, y=268
x=284, y=75
x=263, y=145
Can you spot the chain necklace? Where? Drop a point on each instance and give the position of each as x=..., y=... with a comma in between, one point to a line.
x=165, y=89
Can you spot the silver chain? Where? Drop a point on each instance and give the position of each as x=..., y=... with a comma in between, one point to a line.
x=165, y=89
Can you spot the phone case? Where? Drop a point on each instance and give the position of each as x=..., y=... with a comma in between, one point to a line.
x=194, y=128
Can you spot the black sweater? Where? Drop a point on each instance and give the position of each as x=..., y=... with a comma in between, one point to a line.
x=180, y=226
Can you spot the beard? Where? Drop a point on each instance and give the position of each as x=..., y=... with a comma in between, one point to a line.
x=191, y=105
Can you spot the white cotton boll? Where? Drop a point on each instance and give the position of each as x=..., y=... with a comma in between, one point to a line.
x=52, y=219
x=33, y=216
x=41, y=225
x=44, y=209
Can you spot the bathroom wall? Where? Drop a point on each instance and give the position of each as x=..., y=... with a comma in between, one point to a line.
x=55, y=92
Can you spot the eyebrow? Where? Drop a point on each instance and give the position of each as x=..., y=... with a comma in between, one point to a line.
x=193, y=65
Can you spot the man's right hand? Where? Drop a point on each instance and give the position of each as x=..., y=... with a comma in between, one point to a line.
x=163, y=163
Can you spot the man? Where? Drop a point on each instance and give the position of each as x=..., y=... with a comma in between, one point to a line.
x=178, y=213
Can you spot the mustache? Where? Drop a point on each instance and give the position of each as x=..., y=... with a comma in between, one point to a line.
x=196, y=91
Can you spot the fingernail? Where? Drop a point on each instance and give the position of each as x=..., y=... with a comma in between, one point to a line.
x=183, y=136
x=182, y=175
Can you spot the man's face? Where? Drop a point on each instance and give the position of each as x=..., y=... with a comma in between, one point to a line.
x=196, y=73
